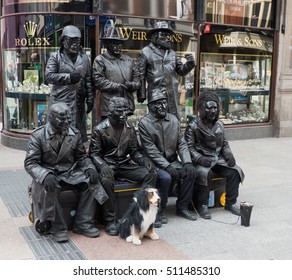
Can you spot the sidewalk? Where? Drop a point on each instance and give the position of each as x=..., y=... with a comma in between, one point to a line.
x=267, y=164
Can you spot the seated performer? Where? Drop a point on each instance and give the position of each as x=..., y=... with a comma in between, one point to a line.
x=115, y=153
x=56, y=160
x=163, y=141
x=210, y=152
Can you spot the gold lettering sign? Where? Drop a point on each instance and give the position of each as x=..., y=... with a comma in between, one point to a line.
x=244, y=40
x=30, y=28
x=136, y=35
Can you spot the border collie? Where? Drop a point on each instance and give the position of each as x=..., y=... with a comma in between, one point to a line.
x=139, y=218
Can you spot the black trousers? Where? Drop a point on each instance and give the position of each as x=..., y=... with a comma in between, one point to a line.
x=128, y=171
x=201, y=195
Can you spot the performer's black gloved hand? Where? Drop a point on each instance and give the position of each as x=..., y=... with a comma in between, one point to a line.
x=173, y=172
x=75, y=77
x=149, y=165
x=93, y=176
x=106, y=171
x=205, y=161
x=190, y=171
x=190, y=59
x=51, y=183
x=230, y=160
x=128, y=86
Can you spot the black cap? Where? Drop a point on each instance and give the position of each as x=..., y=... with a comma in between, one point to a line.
x=156, y=94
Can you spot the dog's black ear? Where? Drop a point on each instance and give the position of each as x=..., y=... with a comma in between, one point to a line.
x=142, y=199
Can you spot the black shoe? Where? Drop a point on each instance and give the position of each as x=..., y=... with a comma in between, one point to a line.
x=158, y=222
x=60, y=236
x=187, y=214
x=163, y=217
x=204, y=212
x=111, y=228
x=90, y=232
x=234, y=209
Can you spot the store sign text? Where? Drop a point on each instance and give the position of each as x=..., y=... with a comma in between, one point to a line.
x=129, y=33
x=31, y=42
x=230, y=41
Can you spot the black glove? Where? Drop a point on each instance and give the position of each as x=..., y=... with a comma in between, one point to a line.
x=89, y=107
x=230, y=160
x=75, y=77
x=190, y=59
x=173, y=172
x=51, y=183
x=106, y=171
x=205, y=161
x=141, y=99
x=93, y=176
x=190, y=171
x=128, y=86
x=149, y=165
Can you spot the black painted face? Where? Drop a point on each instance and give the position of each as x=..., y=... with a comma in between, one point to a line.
x=115, y=48
x=158, y=108
x=163, y=40
x=60, y=120
x=118, y=113
x=72, y=45
x=211, y=110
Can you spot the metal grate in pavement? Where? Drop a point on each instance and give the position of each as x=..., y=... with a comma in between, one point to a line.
x=13, y=191
x=44, y=248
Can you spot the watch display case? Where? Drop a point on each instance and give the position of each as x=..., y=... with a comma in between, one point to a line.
x=242, y=83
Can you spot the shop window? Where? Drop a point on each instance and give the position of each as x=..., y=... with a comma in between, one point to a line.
x=258, y=13
x=242, y=82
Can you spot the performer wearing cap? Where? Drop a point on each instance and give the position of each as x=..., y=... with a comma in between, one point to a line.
x=114, y=73
x=69, y=71
x=163, y=142
x=160, y=66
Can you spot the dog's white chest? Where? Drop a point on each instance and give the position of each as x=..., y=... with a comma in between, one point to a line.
x=148, y=218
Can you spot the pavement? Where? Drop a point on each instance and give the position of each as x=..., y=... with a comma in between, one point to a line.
x=267, y=164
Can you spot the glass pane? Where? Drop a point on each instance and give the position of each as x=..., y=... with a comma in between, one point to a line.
x=27, y=43
x=240, y=12
x=243, y=83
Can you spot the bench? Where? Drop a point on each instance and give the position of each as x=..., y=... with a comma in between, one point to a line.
x=124, y=191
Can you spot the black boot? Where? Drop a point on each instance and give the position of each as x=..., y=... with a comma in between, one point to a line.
x=204, y=212
x=85, y=215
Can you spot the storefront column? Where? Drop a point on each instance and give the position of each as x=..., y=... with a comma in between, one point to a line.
x=283, y=101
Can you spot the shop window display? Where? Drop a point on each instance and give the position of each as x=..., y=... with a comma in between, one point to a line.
x=26, y=91
x=242, y=83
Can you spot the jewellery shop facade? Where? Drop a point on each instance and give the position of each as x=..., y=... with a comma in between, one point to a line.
x=232, y=42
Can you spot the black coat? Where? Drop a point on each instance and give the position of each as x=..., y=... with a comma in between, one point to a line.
x=68, y=164
x=163, y=141
x=105, y=147
x=58, y=69
x=108, y=73
x=203, y=141
x=159, y=70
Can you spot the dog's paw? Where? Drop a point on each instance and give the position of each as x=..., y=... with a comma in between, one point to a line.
x=137, y=241
x=129, y=238
x=153, y=236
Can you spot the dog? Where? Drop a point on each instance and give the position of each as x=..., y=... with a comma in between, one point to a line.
x=140, y=216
